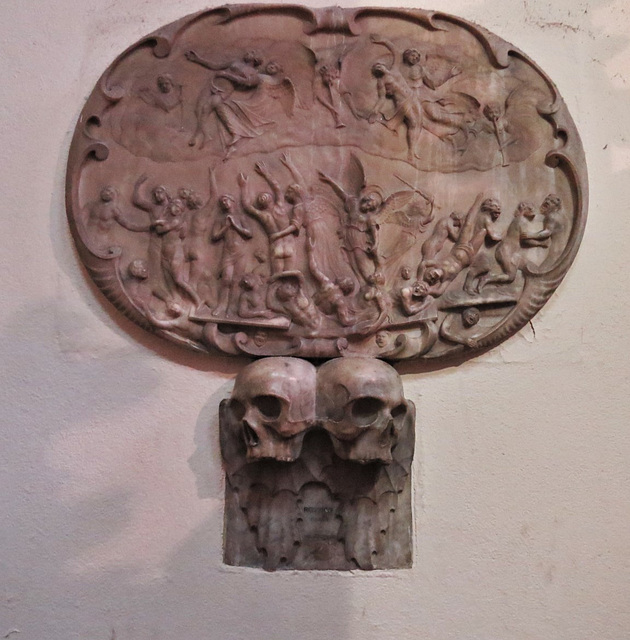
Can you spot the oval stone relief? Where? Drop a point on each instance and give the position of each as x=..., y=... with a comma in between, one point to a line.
x=276, y=180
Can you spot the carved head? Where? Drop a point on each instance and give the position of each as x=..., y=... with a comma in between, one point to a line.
x=419, y=290
x=470, y=317
x=361, y=405
x=381, y=338
x=288, y=289
x=273, y=405
x=160, y=194
x=379, y=69
x=264, y=200
x=525, y=209
x=411, y=57
x=492, y=207
x=550, y=204
x=294, y=194
x=273, y=68
x=184, y=193
x=493, y=111
x=165, y=83
x=226, y=202
x=371, y=199
x=456, y=217
x=176, y=207
x=138, y=269
x=433, y=276
x=329, y=74
x=108, y=193
x=252, y=57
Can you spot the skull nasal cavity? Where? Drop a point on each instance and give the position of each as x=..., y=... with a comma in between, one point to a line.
x=366, y=410
x=269, y=406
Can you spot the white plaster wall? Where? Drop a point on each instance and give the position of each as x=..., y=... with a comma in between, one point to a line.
x=110, y=478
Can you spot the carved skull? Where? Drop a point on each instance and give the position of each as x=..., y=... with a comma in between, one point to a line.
x=273, y=403
x=361, y=404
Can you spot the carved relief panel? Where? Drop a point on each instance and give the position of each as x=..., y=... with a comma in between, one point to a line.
x=357, y=185
x=275, y=180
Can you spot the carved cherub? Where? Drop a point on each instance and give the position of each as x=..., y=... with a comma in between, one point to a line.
x=327, y=88
x=167, y=95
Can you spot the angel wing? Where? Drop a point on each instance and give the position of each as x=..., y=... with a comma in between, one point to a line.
x=354, y=175
x=407, y=209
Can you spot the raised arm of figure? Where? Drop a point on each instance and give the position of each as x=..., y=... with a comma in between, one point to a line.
x=262, y=170
x=131, y=226
x=293, y=170
x=139, y=199
x=335, y=187
x=192, y=56
x=396, y=56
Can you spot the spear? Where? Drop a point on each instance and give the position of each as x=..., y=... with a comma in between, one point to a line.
x=429, y=199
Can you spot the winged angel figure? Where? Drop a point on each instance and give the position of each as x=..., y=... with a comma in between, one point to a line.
x=366, y=210
x=240, y=96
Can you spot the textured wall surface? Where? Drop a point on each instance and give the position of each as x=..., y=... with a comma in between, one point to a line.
x=111, y=487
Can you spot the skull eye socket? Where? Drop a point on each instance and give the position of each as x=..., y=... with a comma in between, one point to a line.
x=399, y=411
x=366, y=410
x=237, y=408
x=269, y=406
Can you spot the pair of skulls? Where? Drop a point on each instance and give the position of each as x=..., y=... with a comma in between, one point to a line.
x=358, y=401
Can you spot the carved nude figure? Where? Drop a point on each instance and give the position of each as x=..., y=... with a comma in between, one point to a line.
x=510, y=254
x=289, y=299
x=478, y=224
x=105, y=212
x=251, y=302
x=554, y=224
x=230, y=230
x=415, y=298
x=271, y=211
x=412, y=94
x=172, y=229
x=445, y=229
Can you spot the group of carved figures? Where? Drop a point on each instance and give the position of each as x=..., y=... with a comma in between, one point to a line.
x=345, y=277
x=413, y=92
x=317, y=461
